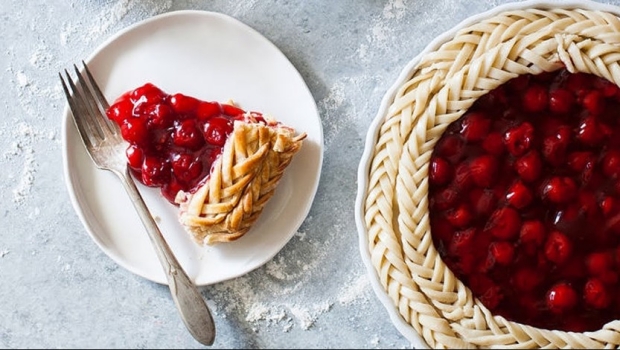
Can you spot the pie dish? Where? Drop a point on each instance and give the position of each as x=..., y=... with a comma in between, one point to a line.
x=426, y=300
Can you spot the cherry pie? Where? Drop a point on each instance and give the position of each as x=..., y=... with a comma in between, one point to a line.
x=492, y=206
x=217, y=162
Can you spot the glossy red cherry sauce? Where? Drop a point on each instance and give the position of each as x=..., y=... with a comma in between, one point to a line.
x=524, y=200
x=173, y=139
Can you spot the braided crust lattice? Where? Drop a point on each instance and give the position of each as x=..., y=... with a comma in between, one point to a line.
x=442, y=86
x=242, y=180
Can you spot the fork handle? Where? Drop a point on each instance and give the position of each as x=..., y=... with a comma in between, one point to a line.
x=190, y=303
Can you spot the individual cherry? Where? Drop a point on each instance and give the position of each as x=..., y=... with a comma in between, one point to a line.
x=459, y=217
x=135, y=156
x=594, y=102
x=494, y=144
x=535, y=99
x=529, y=166
x=589, y=132
x=135, y=131
x=186, y=134
x=532, y=232
x=182, y=104
x=217, y=129
x=519, y=139
x=596, y=294
x=440, y=171
x=155, y=171
x=559, y=189
x=482, y=201
x=445, y=199
x=502, y=252
x=558, y=247
x=483, y=170
x=554, y=146
x=561, y=298
x=475, y=126
x=504, y=223
x=561, y=101
x=598, y=263
x=519, y=195
x=185, y=167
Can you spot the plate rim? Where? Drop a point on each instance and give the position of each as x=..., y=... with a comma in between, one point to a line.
x=373, y=134
x=67, y=123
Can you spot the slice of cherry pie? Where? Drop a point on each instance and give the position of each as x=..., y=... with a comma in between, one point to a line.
x=217, y=162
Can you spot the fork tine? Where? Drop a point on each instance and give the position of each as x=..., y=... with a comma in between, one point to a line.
x=76, y=109
x=94, y=119
x=102, y=103
x=84, y=115
x=100, y=98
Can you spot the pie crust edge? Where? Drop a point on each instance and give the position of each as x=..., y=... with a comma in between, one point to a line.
x=242, y=180
x=442, y=86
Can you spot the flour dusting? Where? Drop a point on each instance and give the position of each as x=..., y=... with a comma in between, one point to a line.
x=104, y=21
x=109, y=17
x=356, y=291
x=281, y=301
x=22, y=149
x=41, y=58
x=309, y=315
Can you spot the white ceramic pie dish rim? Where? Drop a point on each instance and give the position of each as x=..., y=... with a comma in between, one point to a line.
x=373, y=132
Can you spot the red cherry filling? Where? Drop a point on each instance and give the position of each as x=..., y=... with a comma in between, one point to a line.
x=173, y=139
x=524, y=199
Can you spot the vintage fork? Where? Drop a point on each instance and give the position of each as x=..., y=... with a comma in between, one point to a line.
x=102, y=139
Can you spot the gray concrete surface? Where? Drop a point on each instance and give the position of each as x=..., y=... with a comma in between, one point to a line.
x=59, y=290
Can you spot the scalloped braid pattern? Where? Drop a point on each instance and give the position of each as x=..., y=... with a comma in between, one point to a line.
x=441, y=87
x=242, y=181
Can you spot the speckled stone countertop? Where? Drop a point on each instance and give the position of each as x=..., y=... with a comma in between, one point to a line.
x=59, y=290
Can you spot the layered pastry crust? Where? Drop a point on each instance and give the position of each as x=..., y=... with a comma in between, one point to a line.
x=241, y=182
x=442, y=86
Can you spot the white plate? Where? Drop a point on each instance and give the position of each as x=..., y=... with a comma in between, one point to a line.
x=371, y=139
x=213, y=57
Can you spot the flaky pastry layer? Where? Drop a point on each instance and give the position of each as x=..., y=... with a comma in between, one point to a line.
x=242, y=180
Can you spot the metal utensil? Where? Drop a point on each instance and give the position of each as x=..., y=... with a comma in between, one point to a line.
x=106, y=147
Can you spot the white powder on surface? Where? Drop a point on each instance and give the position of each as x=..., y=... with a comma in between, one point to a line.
x=102, y=23
x=307, y=316
x=108, y=18
x=41, y=58
x=22, y=80
x=289, y=312
x=275, y=269
x=22, y=149
x=287, y=278
x=356, y=291
x=374, y=340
